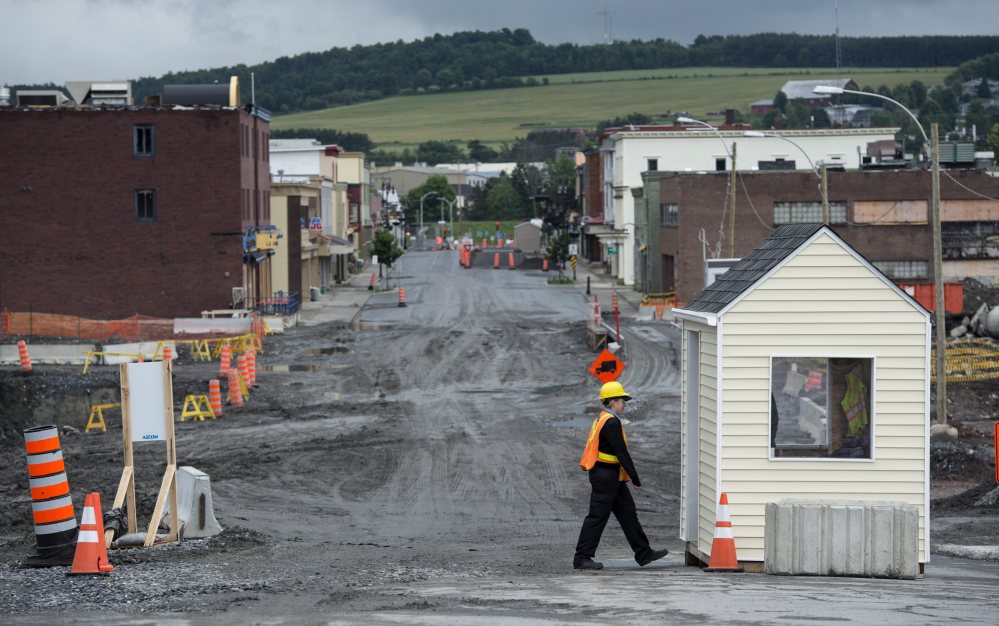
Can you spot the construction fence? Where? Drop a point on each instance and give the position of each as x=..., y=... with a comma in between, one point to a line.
x=971, y=361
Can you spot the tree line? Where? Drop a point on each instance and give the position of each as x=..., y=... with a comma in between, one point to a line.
x=511, y=58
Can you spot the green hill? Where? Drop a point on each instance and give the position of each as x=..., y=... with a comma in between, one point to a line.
x=576, y=100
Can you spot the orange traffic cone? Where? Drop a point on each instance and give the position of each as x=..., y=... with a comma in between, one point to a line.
x=167, y=353
x=402, y=296
x=723, y=558
x=91, y=555
x=225, y=361
x=215, y=396
x=22, y=349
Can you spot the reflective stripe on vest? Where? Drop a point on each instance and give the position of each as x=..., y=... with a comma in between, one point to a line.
x=591, y=453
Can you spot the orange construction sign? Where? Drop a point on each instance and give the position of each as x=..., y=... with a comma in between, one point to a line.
x=606, y=367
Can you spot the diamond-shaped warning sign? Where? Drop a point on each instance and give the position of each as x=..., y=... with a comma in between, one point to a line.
x=606, y=367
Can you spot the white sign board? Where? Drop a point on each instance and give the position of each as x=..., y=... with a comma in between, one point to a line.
x=146, y=398
x=573, y=249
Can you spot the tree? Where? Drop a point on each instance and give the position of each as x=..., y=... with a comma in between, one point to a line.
x=385, y=248
x=436, y=183
x=780, y=101
x=994, y=138
x=478, y=151
x=434, y=152
x=503, y=200
x=983, y=90
x=557, y=251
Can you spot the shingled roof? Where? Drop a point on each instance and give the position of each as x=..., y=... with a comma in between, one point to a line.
x=752, y=267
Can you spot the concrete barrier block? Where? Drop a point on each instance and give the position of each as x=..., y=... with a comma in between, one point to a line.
x=194, y=504
x=47, y=354
x=841, y=538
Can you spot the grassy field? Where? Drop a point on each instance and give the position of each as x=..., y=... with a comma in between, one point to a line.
x=574, y=100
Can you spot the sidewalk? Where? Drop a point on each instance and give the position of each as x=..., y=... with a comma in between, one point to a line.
x=342, y=304
x=603, y=285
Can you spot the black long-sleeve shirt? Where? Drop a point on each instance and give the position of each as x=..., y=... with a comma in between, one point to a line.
x=612, y=442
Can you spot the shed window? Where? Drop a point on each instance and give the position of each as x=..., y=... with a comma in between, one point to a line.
x=820, y=407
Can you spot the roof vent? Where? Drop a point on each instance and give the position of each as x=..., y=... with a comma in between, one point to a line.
x=41, y=98
x=192, y=95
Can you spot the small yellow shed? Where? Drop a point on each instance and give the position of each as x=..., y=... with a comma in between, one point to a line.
x=806, y=375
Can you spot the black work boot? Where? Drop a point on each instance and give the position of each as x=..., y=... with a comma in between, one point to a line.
x=655, y=555
x=587, y=564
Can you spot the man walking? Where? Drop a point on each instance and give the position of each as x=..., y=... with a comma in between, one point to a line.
x=606, y=459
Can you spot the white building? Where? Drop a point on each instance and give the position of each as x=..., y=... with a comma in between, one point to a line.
x=626, y=152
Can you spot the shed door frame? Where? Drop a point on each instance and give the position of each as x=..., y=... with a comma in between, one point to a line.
x=692, y=420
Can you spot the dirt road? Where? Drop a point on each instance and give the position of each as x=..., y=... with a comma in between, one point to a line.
x=419, y=465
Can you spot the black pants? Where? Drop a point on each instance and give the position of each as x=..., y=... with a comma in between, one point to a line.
x=610, y=495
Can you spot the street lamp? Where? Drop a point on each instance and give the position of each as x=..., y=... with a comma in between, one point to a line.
x=429, y=193
x=941, y=331
x=731, y=185
x=823, y=184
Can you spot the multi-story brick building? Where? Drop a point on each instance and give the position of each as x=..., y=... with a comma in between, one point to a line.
x=884, y=215
x=111, y=212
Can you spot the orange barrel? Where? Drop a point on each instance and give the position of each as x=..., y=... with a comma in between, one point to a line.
x=499, y=242
x=402, y=296
x=512, y=266
x=484, y=246
x=544, y=265
x=244, y=370
x=22, y=350
x=225, y=361
x=51, y=504
x=167, y=353
x=235, y=393
x=374, y=278
x=215, y=396
x=251, y=365
x=496, y=260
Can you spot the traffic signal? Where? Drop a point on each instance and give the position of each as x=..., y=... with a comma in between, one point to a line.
x=497, y=226
x=445, y=231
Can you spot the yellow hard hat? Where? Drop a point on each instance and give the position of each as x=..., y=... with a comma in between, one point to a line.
x=613, y=389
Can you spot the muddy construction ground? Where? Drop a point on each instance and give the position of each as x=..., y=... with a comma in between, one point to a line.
x=429, y=445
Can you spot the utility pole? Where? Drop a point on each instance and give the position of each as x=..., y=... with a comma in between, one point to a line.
x=938, y=286
x=731, y=201
x=825, y=195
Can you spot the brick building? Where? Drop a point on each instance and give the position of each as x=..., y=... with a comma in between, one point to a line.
x=884, y=215
x=111, y=212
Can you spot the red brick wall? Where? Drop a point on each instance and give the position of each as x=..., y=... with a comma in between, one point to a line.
x=72, y=242
x=701, y=199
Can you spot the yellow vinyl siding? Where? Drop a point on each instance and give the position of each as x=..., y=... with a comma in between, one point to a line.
x=822, y=302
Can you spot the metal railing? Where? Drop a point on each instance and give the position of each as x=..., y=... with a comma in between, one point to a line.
x=280, y=304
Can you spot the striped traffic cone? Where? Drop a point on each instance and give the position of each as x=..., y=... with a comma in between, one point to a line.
x=91, y=555
x=512, y=266
x=225, y=360
x=496, y=260
x=167, y=353
x=723, y=557
x=235, y=392
x=402, y=296
x=22, y=350
x=51, y=504
x=374, y=279
x=215, y=397
x=251, y=366
x=244, y=370
x=544, y=265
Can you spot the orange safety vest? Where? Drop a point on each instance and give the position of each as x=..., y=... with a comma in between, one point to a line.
x=592, y=453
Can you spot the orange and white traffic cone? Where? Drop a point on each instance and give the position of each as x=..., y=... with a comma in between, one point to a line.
x=235, y=392
x=723, y=557
x=22, y=350
x=512, y=265
x=215, y=397
x=496, y=260
x=251, y=366
x=91, y=555
x=402, y=296
x=544, y=265
x=244, y=370
x=167, y=353
x=374, y=279
x=225, y=360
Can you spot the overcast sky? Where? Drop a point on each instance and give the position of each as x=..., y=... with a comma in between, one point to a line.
x=58, y=40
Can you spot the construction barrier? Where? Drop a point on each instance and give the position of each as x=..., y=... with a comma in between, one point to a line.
x=510, y=260
x=196, y=407
x=91, y=554
x=96, y=419
x=22, y=352
x=51, y=504
x=723, y=556
x=970, y=360
x=235, y=394
x=402, y=296
x=244, y=371
x=496, y=260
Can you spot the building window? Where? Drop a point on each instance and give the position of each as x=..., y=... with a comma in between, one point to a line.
x=807, y=213
x=145, y=205
x=903, y=269
x=720, y=164
x=652, y=165
x=143, y=140
x=820, y=407
x=669, y=214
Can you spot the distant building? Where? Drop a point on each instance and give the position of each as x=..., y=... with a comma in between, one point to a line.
x=802, y=89
x=112, y=212
x=761, y=107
